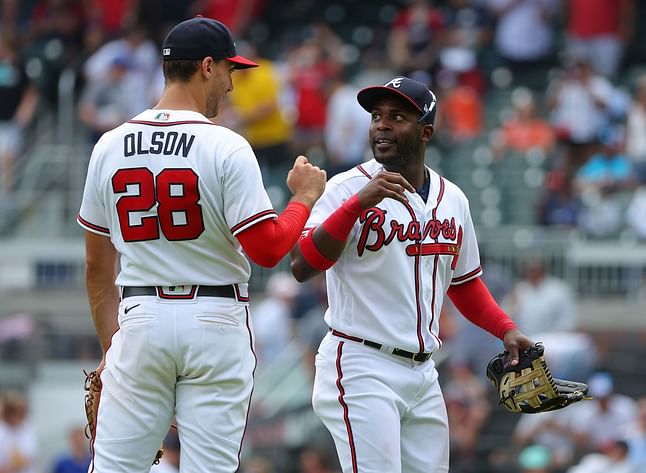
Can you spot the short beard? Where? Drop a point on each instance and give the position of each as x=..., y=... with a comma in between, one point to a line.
x=405, y=154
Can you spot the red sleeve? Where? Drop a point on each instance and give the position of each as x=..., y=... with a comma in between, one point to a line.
x=476, y=303
x=268, y=241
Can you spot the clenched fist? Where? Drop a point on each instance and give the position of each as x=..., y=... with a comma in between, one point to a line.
x=306, y=181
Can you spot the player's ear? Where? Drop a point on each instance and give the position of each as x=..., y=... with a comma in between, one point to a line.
x=206, y=66
x=427, y=132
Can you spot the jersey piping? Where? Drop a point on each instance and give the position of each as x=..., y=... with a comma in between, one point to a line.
x=435, y=261
x=265, y=214
x=184, y=122
x=92, y=227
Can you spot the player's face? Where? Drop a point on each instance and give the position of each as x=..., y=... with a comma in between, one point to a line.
x=395, y=134
x=220, y=85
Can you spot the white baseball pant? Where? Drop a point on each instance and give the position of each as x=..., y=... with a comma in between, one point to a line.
x=384, y=412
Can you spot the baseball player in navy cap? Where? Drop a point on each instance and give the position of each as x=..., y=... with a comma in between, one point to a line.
x=394, y=237
x=174, y=199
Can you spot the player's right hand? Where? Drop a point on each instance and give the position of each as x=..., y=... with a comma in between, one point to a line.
x=306, y=181
x=385, y=184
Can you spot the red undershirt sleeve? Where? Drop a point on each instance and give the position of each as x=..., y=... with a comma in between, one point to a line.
x=475, y=302
x=268, y=241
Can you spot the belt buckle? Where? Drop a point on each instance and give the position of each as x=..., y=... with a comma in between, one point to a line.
x=422, y=357
x=177, y=292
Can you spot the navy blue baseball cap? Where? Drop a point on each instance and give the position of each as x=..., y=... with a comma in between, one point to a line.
x=414, y=92
x=200, y=37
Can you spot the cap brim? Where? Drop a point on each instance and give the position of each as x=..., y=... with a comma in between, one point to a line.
x=242, y=62
x=368, y=96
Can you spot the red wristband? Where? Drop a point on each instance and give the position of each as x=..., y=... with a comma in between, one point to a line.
x=312, y=254
x=340, y=223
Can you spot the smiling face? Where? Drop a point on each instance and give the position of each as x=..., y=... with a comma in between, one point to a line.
x=396, y=136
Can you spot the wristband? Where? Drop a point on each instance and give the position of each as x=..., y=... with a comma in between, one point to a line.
x=340, y=223
x=312, y=255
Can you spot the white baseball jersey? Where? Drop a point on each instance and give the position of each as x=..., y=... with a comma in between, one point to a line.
x=399, y=260
x=172, y=190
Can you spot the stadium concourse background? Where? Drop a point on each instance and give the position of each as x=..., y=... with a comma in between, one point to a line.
x=527, y=201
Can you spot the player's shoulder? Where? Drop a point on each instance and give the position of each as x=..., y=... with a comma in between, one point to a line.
x=187, y=121
x=358, y=175
x=450, y=189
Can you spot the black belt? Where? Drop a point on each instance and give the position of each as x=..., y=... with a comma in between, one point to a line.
x=202, y=291
x=395, y=351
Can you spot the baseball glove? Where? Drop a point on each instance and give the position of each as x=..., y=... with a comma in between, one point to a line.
x=529, y=387
x=92, y=395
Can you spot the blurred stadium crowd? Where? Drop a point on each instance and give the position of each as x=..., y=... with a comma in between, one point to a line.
x=541, y=120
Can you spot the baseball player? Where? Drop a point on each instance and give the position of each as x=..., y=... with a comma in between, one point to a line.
x=177, y=198
x=393, y=237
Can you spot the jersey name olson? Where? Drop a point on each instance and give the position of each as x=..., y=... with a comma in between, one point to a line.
x=171, y=143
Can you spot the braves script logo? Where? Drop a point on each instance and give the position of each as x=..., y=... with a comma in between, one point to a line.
x=373, y=221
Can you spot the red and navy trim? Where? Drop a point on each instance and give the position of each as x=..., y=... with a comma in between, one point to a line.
x=90, y=226
x=239, y=296
x=163, y=295
x=435, y=263
x=364, y=172
x=184, y=122
x=466, y=277
x=344, y=405
x=253, y=219
x=418, y=305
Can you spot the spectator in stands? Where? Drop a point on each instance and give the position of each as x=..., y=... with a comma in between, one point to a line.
x=578, y=100
x=18, y=444
x=549, y=431
x=18, y=101
x=609, y=169
x=612, y=457
x=558, y=205
x=524, y=130
x=636, y=213
x=315, y=460
x=77, y=458
x=257, y=464
x=540, y=302
x=468, y=410
x=607, y=173
x=416, y=38
x=309, y=311
x=54, y=41
x=524, y=37
x=636, y=131
x=346, y=140
x=256, y=113
x=309, y=71
x=104, y=105
x=468, y=29
x=169, y=462
x=602, y=420
x=272, y=324
x=535, y=459
x=142, y=56
x=57, y=19
x=109, y=16
x=634, y=435
x=459, y=119
x=599, y=30
x=236, y=14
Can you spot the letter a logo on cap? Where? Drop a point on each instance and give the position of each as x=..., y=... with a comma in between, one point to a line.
x=396, y=82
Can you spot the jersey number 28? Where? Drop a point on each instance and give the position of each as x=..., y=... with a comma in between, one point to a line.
x=176, y=194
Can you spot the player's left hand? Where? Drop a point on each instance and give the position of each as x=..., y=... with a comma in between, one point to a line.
x=514, y=341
